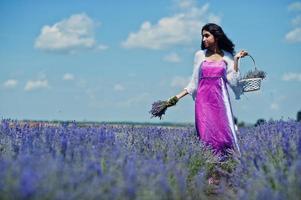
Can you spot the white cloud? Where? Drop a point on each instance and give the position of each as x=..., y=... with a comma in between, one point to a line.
x=180, y=29
x=10, y=83
x=185, y=3
x=295, y=6
x=294, y=35
x=179, y=82
x=143, y=97
x=37, y=84
x=290, y=76
x=119, y=87
x=274, y=106
x=296, y=21
x=172, y=57
x=102, y=47
x=68, y=77
x=70, y=34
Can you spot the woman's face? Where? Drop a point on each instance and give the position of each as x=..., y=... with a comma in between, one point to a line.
x=208, y=39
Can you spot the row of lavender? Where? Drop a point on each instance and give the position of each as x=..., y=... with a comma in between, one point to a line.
x=271, y=161
x=144, y=162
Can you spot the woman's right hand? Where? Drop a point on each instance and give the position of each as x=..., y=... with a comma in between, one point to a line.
x=172, y=101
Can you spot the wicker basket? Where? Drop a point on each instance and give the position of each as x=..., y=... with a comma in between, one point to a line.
x=250, y=84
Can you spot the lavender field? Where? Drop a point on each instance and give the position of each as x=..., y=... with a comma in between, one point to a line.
x=68, y=161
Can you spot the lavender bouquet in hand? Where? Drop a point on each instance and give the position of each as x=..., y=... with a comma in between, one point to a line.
x=159, y=107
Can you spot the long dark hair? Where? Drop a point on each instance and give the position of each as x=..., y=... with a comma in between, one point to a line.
x=223, y=42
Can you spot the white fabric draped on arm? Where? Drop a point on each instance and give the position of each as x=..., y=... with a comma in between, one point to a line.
x=233, y=76
x=192, y=86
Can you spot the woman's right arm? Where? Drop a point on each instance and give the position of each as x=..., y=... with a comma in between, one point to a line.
x=192, y=85
x=173, y=100
x=182, y=94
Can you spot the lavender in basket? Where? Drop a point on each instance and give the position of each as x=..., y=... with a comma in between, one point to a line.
x=255, y=74
x=159, y=107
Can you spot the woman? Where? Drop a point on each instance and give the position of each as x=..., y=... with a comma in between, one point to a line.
x=215, y=66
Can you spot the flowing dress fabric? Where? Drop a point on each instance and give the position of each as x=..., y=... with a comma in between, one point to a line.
x=213, y=113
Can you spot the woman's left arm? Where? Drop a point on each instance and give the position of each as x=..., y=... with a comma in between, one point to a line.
x=233, y=74
x=239, y=55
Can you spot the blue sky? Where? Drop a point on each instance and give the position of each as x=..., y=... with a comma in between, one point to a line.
x=109, y=60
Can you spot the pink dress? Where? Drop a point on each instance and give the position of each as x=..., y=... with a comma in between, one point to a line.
x=213, y=113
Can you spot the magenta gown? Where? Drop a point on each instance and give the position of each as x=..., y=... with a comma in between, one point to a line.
x=213, y=113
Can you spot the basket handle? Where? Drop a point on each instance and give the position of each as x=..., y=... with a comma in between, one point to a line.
x=251, y=58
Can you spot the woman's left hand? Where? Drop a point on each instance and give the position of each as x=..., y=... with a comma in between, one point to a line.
x=241, y=54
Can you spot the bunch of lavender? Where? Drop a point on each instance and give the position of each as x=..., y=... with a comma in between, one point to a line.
x=255, y=74
x=159, y=107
